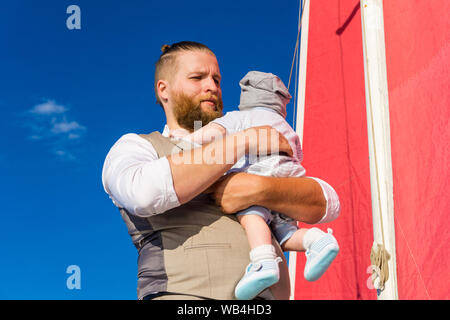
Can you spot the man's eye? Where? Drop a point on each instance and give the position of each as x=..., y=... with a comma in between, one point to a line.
x=196, y=77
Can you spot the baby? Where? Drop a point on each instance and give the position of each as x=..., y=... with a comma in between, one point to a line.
x=263, y=103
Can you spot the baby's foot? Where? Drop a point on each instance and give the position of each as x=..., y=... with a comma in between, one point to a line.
x=320, y=255
x=258, y=276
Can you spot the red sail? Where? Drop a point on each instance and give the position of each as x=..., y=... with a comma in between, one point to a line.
x=417, y=35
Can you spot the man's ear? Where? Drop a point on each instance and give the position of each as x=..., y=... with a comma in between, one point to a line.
x=162, y=89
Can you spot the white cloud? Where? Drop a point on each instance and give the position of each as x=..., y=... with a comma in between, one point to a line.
x=49, y=119
x=65, y=155
x=73, y=136
x=63, y=126
x=47, y=108
x=50, y=122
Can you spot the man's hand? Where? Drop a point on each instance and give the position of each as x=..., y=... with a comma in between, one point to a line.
x=265, y=140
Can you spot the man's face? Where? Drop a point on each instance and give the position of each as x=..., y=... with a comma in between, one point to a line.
x=195, y=93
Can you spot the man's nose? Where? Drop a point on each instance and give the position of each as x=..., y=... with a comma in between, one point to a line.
x=211, y=85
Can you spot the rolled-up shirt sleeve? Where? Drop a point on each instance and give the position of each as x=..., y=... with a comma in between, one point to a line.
x=333, y=207
x=135, y=179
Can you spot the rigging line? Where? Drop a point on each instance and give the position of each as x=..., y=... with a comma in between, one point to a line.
x=297, y=65
x=380, y=256
x=412, y=256
x=296, y=43
x=373, y=131
x=296, y=58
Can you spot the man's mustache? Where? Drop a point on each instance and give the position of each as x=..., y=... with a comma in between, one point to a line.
x=209, y=97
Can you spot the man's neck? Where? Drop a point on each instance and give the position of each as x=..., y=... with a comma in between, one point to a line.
x=174, y=129
x=176, y=132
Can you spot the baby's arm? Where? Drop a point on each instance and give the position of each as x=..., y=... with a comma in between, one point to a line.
x=207, y=134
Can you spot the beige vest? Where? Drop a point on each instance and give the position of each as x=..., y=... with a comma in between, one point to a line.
x=193, y=249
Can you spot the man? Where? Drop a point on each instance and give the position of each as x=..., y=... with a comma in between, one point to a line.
x=189, y=249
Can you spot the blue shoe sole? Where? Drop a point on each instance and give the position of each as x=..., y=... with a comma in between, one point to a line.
x=252, y=289
x=322, y=266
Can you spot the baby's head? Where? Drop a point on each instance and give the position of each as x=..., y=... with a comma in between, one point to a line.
x=260, y=89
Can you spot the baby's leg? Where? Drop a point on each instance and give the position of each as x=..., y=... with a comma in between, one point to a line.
x=255, y=220
x=258, y=232
x=263, y=271
x=295, y=243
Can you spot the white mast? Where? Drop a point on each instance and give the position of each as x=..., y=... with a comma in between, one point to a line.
x=377, y=106
x=304, y=24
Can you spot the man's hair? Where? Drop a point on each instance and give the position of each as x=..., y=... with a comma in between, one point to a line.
x=166, y=65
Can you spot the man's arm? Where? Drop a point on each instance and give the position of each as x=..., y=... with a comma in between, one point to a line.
x=195, y=170
x=303, y=199
x=137, y=180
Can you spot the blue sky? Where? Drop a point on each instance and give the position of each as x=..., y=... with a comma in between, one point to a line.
x=67, y=95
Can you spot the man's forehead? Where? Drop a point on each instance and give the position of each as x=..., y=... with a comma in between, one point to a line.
x=198, y=61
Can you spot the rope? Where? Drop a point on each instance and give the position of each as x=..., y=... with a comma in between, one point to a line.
x=414, y=259
x=296, y=44
x=294, y=112
x=295, y=63
x=380, y=256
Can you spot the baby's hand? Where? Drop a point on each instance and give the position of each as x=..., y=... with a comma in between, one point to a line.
x=207, y=134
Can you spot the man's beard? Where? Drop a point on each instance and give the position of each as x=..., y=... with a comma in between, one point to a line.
x=187, y=110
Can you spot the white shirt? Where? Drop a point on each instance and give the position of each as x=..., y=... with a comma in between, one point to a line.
x=135, y=179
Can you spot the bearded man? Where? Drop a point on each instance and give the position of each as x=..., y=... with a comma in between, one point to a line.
x=190, y=244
